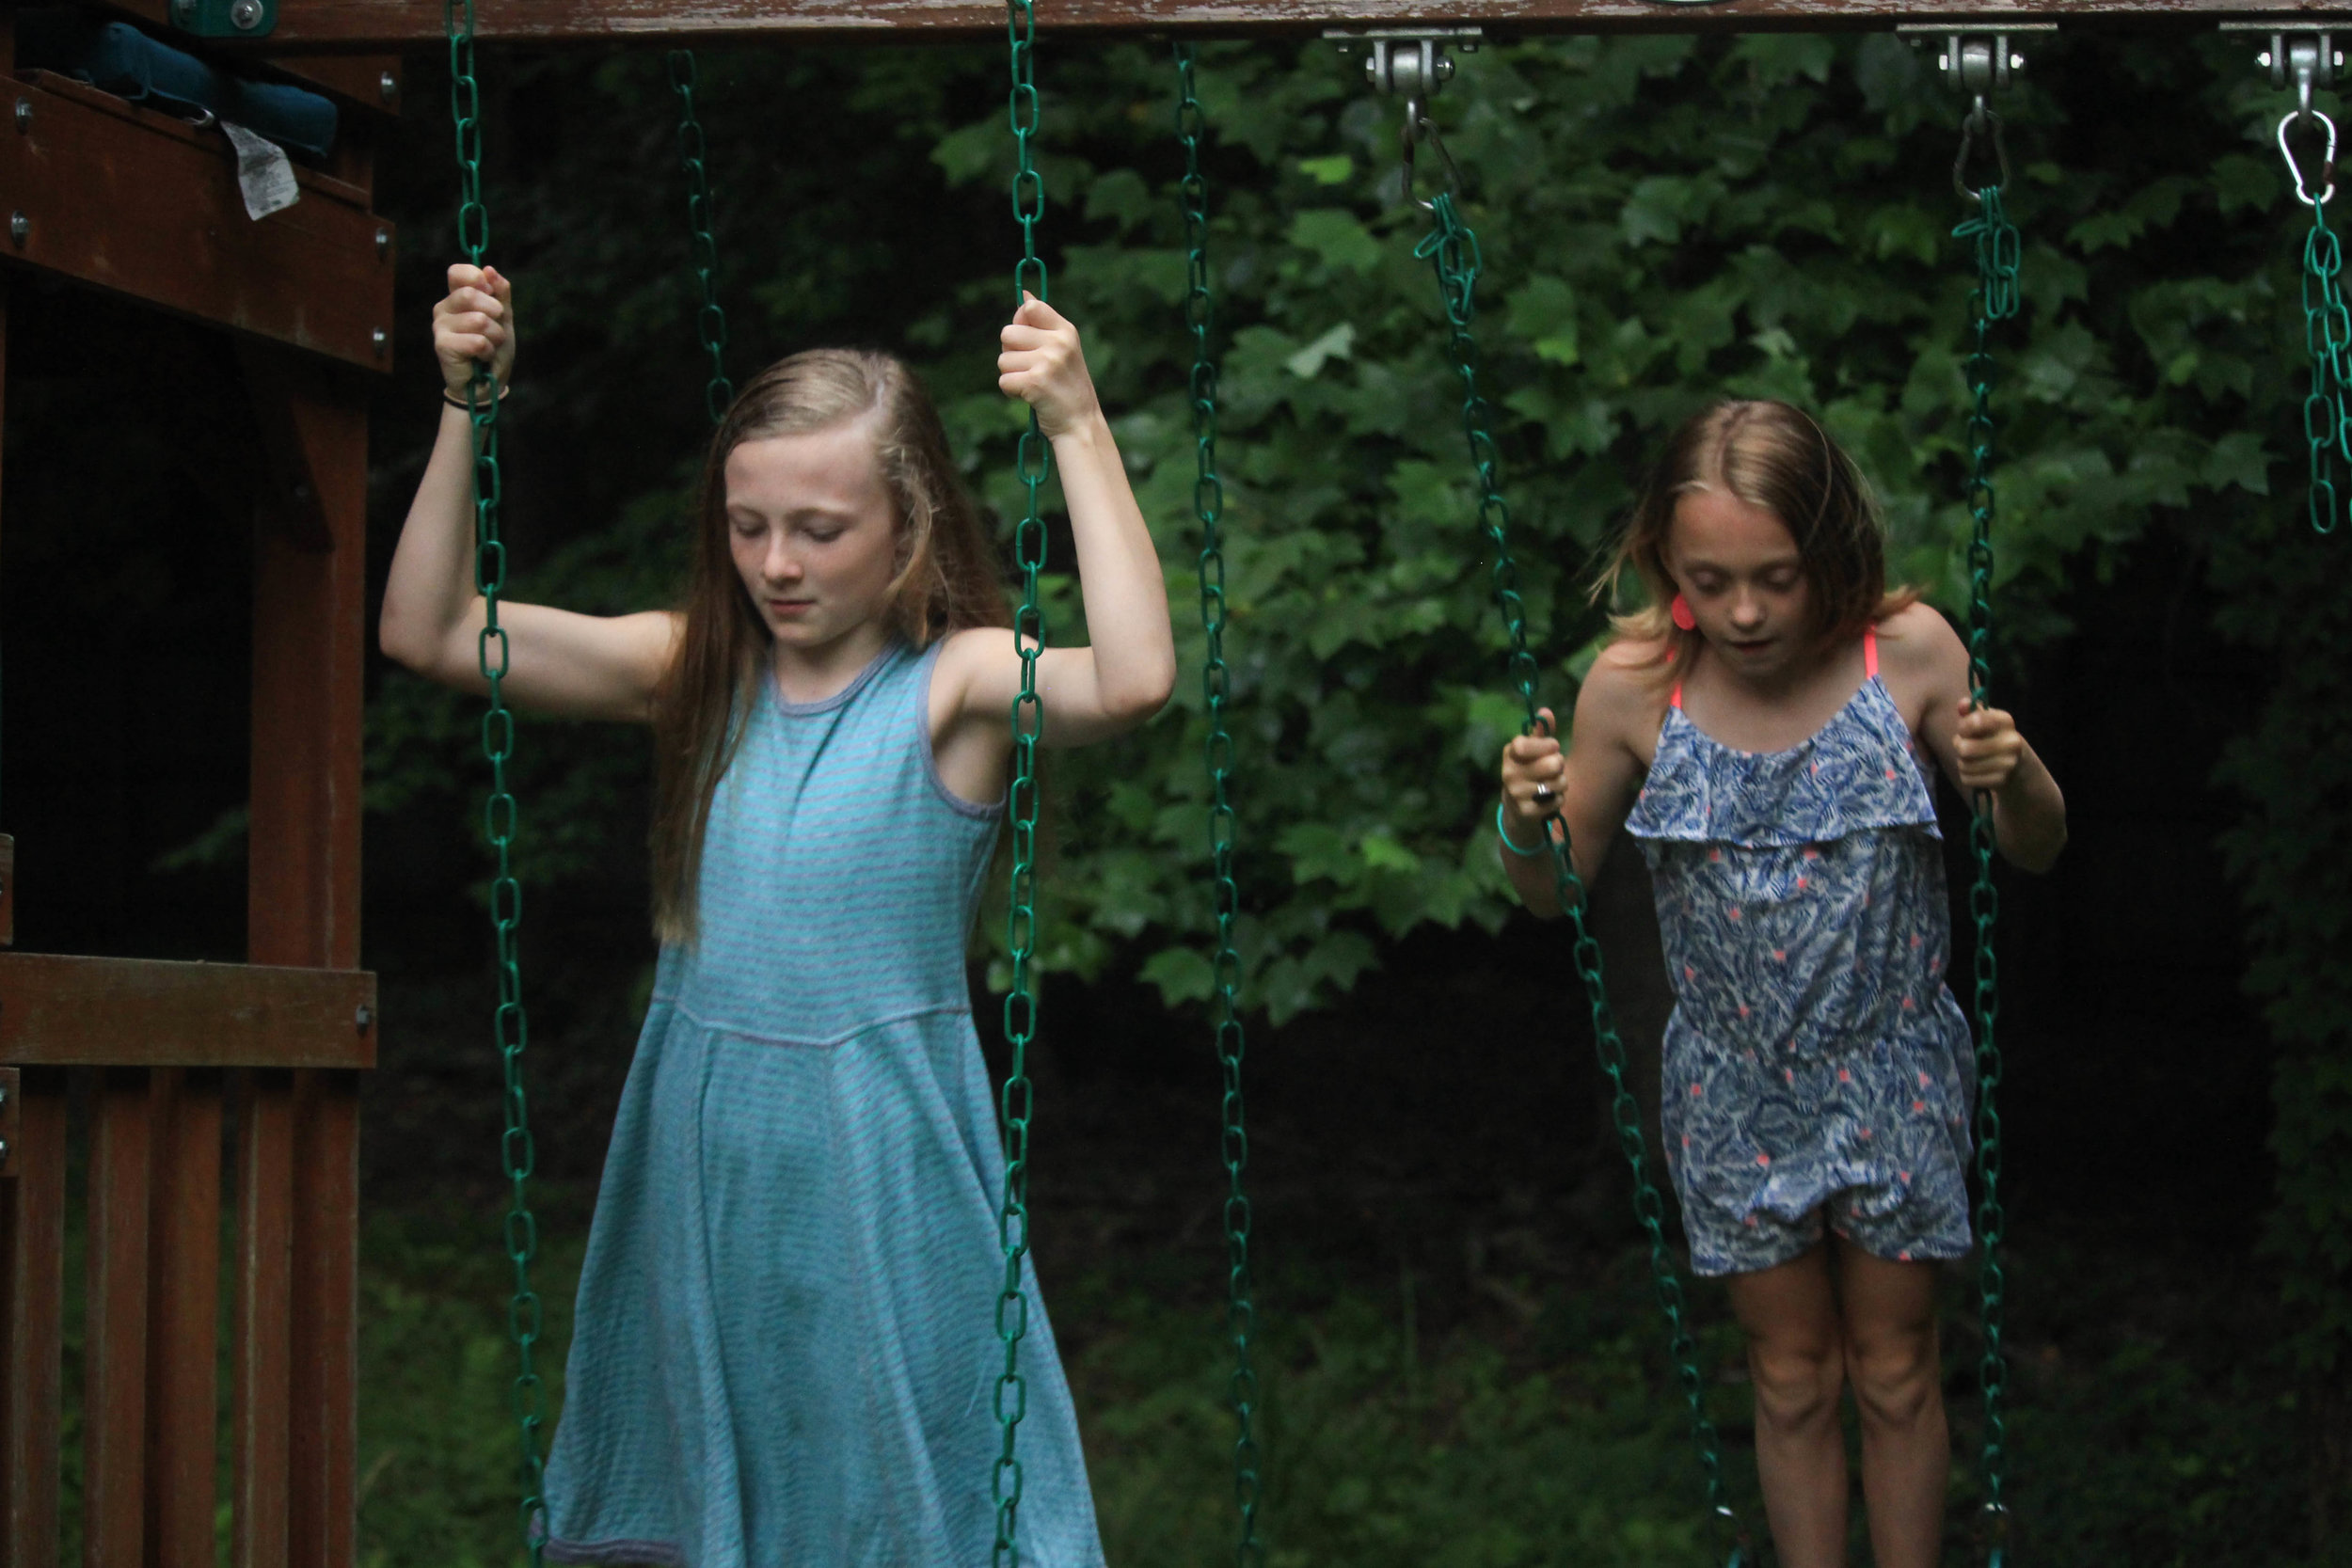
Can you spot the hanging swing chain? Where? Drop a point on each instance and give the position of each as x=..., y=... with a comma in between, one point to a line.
x=1452, y=248
x=710, y=320
x=1207, y=506
x=1995, y=298
x=1020, y=801
x=510, y=1026
x=2326, y=325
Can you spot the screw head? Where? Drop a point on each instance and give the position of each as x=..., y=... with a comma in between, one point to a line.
x=20, y=228
x=388, y=87
x=2017, y=62
x=24, y=114
x=379, y=338
x=245, y=15
x=2262, y=60
x=184, y=13
x=363, y=1018
x=1445, y=69
x=383, y=244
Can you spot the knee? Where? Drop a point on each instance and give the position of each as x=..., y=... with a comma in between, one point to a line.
x=1797, y=1378
x=1896, y=1373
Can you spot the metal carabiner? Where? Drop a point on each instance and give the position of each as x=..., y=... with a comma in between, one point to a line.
x=1419, y=127
x=2327, y=164
x=1980, y=116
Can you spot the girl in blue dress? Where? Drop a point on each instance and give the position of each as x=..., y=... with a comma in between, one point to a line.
x=785, y=1349
x=1768, y=734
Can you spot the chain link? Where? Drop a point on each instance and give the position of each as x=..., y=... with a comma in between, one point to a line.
x=1027, y=717
x=1207, y=506
x=710, y=320
x=2328, y=338
x=1452, y=248
x=1995, y=298
x=510, y=1026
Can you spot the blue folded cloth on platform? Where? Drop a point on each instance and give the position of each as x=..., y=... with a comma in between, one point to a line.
x=118, y=59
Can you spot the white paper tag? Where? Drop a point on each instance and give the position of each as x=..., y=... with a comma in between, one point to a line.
x=265, y=173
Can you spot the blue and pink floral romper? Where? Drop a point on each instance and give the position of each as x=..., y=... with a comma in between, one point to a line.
x=1816, y=1069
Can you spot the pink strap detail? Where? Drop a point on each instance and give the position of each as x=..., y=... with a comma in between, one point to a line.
x=1676, y=700
x=1870, y=653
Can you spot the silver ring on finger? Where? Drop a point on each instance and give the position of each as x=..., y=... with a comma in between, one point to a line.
x=1543, y=795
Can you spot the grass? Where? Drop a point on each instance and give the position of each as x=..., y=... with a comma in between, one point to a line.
x=2152, y=1422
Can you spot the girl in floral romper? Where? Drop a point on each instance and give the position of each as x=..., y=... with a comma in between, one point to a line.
x=1766, y=733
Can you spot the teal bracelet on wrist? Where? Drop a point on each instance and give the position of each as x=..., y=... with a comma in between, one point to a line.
x=1543, y=839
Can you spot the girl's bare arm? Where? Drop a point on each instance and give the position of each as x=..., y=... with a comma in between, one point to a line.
x=1978, y=748
x=1125, y=673
x=1593, y=782
x=555, y=661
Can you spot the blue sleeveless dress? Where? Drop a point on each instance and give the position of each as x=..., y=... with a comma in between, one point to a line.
x=785, y=1349
x=1816, y=1067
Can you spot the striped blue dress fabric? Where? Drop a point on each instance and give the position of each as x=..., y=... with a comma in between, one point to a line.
x=1816, y=1069
x=785, y=1350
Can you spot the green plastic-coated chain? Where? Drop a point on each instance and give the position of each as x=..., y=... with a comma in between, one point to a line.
x=1207, y=506
x=710, y=320
x=2328, y=336
x=1995, y=298
x=510, y=1027
x=1028, y=719
x=1452, y=246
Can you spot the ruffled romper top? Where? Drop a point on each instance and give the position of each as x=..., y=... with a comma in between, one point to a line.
x=1816, y=1069
x=785, y=1346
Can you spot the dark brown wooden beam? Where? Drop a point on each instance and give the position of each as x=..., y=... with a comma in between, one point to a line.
x=140, y=1012
x=138, y=203
x=363, y=24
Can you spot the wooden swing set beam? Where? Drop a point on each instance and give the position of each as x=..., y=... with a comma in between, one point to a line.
x=361, y=25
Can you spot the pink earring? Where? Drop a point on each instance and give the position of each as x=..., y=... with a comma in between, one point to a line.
x=1681, y=612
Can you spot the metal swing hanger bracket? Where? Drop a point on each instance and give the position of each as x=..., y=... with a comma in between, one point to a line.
x=1411, y=63
x=1979, y=64
x=2305, y=58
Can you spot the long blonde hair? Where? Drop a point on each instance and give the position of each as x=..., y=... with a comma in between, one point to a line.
x=945, y=581
x=1777, y=456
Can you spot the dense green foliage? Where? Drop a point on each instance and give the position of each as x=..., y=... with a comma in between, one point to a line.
x=1663, y=220
x=1507, y=1441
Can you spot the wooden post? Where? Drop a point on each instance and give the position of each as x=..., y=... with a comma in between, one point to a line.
x=32, y=1243
x=303, y=902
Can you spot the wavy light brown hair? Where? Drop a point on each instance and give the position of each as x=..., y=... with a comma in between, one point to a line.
x=946, y=579
x=1777, y=456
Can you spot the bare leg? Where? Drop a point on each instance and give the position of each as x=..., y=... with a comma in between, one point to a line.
x=1796, y=1354
x=1893, y=1363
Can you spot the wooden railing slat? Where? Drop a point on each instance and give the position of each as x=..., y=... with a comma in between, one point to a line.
x=32, y=1240
x=114, y=1382
x=183, y=1322
x=264, y=1319
x=323, y=1510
